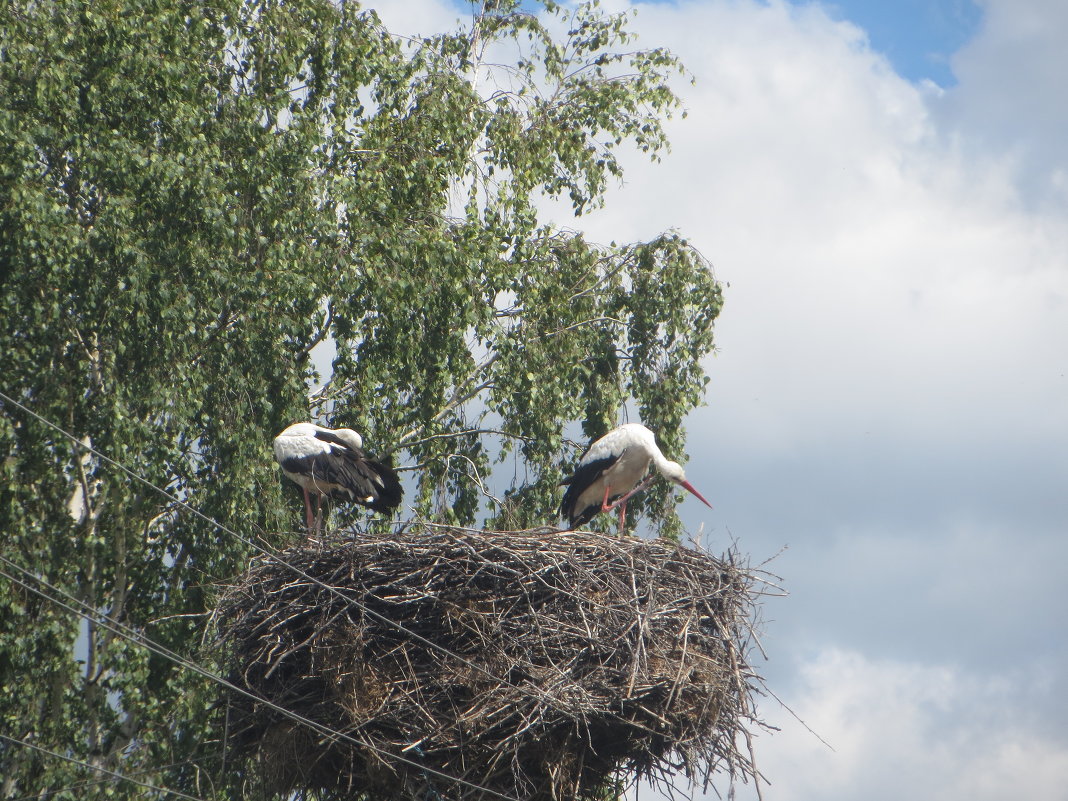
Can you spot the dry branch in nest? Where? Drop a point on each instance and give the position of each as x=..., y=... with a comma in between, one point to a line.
x=538, y=665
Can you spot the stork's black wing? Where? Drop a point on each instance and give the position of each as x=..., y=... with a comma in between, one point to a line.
x=356, y=478
x=383, y=487
x=370, y=483
x=585, y=475
x=348, y=475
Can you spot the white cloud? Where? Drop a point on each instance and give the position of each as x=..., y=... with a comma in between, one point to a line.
x=878, y=280
x=904, y=729
x=419, y=17
x=891, y=395
x=1010, y=96
x=950, y=592
x=895, y=324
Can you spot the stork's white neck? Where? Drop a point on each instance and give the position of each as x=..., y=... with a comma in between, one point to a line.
x=668, y=469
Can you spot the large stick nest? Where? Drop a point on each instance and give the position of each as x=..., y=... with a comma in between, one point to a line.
x=538, y=665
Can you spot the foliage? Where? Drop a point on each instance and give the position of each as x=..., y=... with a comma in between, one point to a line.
x=193, y=196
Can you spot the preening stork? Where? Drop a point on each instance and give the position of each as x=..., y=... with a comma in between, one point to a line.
x=331, y=462
x=612, y=470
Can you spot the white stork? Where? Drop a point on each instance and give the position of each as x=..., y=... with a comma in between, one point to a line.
x=612, y=470
x=331, y=462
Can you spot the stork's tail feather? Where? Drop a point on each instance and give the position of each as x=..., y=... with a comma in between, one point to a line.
x=388, y=490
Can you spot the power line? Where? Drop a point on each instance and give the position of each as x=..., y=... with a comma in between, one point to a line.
x=115, y=774
x=533, y=691
x=43, y=794
x=138, y=639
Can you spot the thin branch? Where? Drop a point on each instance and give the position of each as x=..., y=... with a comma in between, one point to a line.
x=454, y=434
x=458, y=398
x=324, y=332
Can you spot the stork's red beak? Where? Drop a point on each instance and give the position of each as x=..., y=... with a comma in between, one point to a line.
x=700, y=497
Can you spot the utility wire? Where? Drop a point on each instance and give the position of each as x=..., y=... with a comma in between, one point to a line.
x=44, y=794
x=112, y=773
x=138, y=639
x=147, y=643
x=533, y=691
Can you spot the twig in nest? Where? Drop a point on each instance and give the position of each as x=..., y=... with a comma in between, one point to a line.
x=577, y=659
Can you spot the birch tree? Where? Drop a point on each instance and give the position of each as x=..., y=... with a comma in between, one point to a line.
x=195, y=198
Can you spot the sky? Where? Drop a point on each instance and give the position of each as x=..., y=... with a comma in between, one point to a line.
x=918, y=37
x=883, y=189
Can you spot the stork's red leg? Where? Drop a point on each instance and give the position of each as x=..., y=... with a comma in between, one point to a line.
x=643, y=485
x=622, y=517
x=605, y=506
x=307, y=511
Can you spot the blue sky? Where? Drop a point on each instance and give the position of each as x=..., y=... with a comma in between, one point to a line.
x=917, y=36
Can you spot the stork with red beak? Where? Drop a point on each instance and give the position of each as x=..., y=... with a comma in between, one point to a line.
x=614, y=469
x=331, y=462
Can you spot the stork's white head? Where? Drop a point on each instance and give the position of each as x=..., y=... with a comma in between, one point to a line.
x=674, y=472
x=349, y=437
